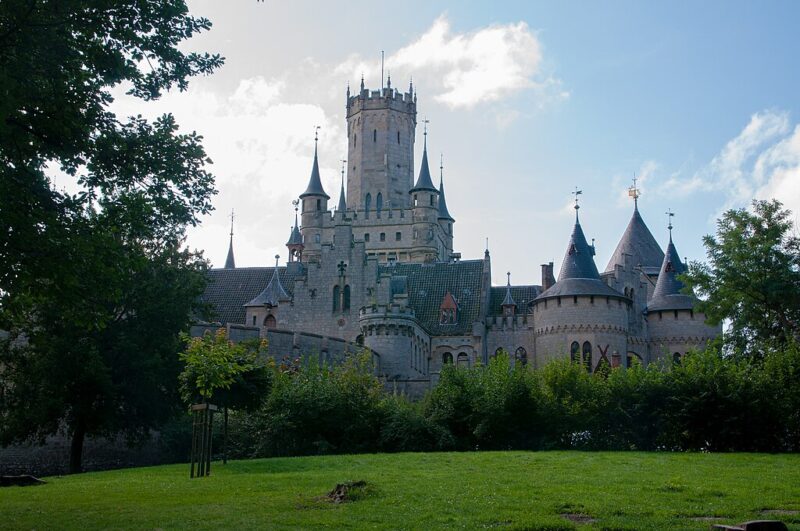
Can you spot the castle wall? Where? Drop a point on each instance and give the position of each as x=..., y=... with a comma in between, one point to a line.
x=602, y=321
x=678, y=331
x=510, y=334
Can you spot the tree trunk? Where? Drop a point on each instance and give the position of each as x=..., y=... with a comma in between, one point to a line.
x=76, y=448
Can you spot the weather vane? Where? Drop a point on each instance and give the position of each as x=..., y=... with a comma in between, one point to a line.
x=670, y=214
x=634, y=192
x=316, y=133
x=231, y=223
x=576, y=193
x=295, y=202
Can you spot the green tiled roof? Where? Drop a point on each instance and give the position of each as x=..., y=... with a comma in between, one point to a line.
x=228, y=290
x=523, y=295
x=427, y=285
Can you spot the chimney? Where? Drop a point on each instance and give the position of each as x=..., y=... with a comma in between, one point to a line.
x=547, y=276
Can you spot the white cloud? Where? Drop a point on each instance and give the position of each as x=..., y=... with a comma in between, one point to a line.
x=762, y=161
x=466, y=69
x=644, y=175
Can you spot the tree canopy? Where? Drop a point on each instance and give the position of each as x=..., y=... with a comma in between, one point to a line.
x=752, y=277
x=95, y=286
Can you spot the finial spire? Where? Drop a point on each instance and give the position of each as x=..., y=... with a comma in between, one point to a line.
x=230, y=263
x=232, y=216
x=342, y=203
x=362, y=81
x=389, y=79
x=634, y=192
x=277, y=257
x=316, y=137
x=577, y=207
x=670, y=214
x=381, y=70
x=441, y=167
x=425, y=123
x=508, y=274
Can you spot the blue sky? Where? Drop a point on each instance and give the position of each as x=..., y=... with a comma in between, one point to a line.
x=526, y=101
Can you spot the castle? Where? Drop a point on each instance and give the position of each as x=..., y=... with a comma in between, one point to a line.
x=380, y=270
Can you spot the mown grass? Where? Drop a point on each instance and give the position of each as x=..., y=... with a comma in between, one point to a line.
x=510, y=490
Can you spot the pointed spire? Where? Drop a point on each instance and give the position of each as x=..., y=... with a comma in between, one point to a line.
x=424, y=182
x=342, y=203
x=509, y=300
x=667, y=293
x=295, y=238
x=273, y=293
x=230, y=263
x=443, y=212
x=638, y=242
x=315, y=183
x=362, y=81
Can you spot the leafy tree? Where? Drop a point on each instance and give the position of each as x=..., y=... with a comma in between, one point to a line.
x=752, y=278
x=94, y=286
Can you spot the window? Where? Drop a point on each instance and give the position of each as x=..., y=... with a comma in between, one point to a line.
x=432, y=198
x=398, y=236
x=497, y=352
x=379, y=203
x=316, y=238
x=463, y=359
x=355, y=136
x=574, y=352
x=676, y=314
x=383, y=236
x=587, y=355
x=447, y=358
x=319, y=204
x=450, y=229
x=676, y=358
x=336, y=297
x=346, y=302
x=270, y=322
x=367, y=205
x=521, y=356
x=398, y=137
x=374, y=135
x=366, y=236
x=254, y=320
x=415, y=199
x=575, y=299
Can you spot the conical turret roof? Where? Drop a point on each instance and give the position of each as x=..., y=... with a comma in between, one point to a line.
x=342, y=203
x=273, y=293
x=315, y=183
x=638, y=241
x=424, y=181
x=443, y=212
x=667, y=294
x=509, y=300
x=295, y=238
x=578, y=275
x=230, y=263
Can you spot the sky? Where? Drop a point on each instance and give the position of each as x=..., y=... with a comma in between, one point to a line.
x=526, y=102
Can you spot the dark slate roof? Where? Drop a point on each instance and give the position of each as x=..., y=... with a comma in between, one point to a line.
x=522, y=295
x=579, y=274
x=314, y=183
x=443, y=212
x=638, y=241
x=228, y=290
x=295, y=238
x=272, y=294
x=427, y=285
x=342, y=203
x=578, y=261
x=424, y=181
x=667, y=295
x=230, y=263
x=508, y=300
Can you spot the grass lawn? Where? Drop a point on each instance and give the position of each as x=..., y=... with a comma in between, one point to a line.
x=512, y=490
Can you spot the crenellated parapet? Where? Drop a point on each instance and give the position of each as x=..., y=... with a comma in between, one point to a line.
x=387, y=98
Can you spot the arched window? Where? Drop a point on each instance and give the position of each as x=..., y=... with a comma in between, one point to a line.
x=355, y=137
x=379, y=203
x=336, y=297
x=319, y=204
x=270, y=322
x=574, y=352
x=521, y=356
x=432, y=198
x=463, y=359
x=398, y=137
x=360, y=340
x=447, y=358
x=374, y=135
x=497, y=352
x=587, y=355
x=676, y=358
x=631, y=293
x=346, y=302
x=367, y=205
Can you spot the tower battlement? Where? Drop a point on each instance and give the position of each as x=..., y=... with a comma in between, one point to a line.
x=386, y=98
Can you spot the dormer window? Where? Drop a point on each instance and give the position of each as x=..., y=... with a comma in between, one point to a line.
x=448, y=310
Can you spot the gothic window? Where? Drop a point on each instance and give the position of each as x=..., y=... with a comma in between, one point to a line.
x=463, y=359
x=521, y=356
x=270, y=322
x=360, y=340
x=383, y=236
x=447, y=316
x=374, y=135
x=398, y=236
x=398, y=137
x=367, y=205
x=676, y=358
x=447, y=358
x=355, y=137
x=574, y=352
x=587, y=355
x=366, y=236
x=346, y=302
x=336, y=297
x=497, y=352
x=379, y=203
